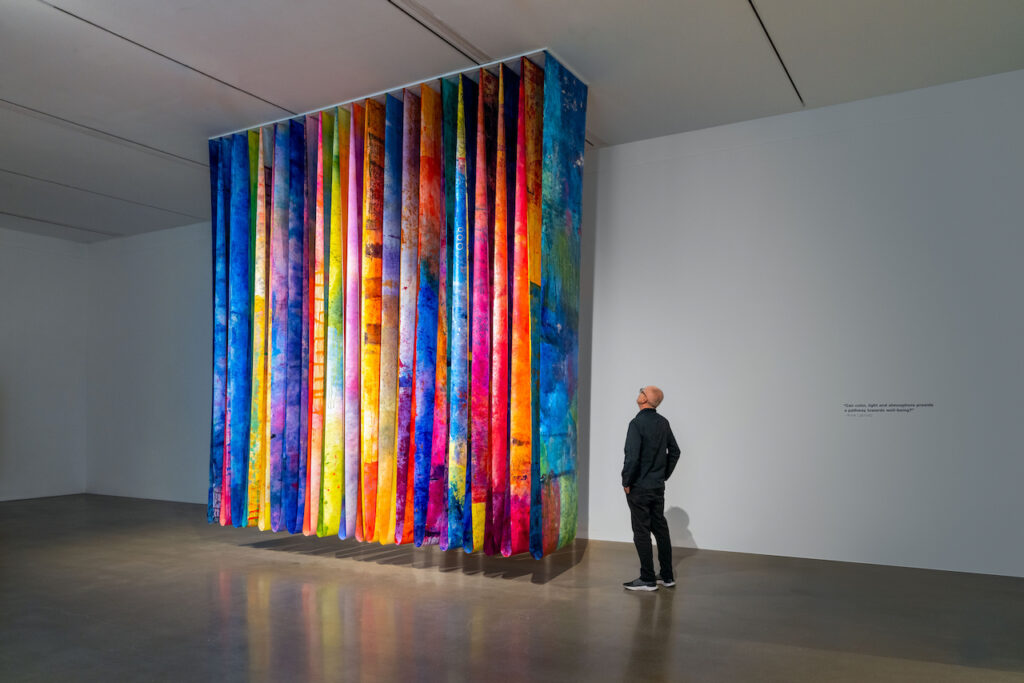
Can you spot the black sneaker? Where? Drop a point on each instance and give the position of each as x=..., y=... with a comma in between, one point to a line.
x=640, y=585
x=667, y=583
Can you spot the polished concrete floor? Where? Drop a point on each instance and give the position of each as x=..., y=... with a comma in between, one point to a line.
x=125, y=590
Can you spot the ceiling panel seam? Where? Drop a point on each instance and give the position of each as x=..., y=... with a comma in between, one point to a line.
x=167, y=57
x=59, y=224
x=102, y=134
x=98, y=194
x=428, y=20
x=776, y=51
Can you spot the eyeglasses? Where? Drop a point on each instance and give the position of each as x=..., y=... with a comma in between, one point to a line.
x=644, y=392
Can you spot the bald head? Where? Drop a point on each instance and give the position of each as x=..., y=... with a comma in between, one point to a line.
x=650, y=397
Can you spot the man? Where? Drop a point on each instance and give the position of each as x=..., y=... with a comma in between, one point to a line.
x=651, y=455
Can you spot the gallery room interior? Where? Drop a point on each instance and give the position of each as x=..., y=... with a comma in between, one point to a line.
x=802, y=220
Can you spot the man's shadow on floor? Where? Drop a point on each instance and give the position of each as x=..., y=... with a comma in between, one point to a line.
x=683, y=543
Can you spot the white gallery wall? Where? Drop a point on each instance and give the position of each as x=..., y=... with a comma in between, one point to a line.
x=43, y=321
x=149, y=365
x=766, y=273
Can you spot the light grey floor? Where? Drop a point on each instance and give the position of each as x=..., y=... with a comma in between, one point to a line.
x=124, y=590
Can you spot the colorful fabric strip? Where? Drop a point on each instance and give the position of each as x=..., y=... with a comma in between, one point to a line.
x=431, y=212
x=565, y=100
x=279, y=323
x=353, y=326
x=239, y=377
x=407, y=316
x=333, y=499
x=391, y=254
x=373, y=210
x=220, y=329
x=291, y=503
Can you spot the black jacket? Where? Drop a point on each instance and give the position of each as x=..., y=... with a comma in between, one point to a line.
x=651, y=451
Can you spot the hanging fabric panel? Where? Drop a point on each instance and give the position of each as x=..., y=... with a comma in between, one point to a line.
x=396, y=315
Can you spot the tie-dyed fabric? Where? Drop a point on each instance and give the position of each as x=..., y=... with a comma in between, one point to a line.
x=428, y=359
x=238, y=399
x=459, y=532
x=218, y=212
x=391, y=254
x=373, y=249
x=504, y=198
x=257, y=408
x=480, y=309
x=404, y=451
x=333, y=478
x=278, y=323
x=353, y=527
x=396, y=315
x=293, y=463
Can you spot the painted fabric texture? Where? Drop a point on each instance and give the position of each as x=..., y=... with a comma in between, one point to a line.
x=396, y=315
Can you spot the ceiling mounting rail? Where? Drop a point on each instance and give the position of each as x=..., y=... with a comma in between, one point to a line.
x=400, y=88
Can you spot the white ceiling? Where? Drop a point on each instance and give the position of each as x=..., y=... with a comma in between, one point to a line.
x=106, y=105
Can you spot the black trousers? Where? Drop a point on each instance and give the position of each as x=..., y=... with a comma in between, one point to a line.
x=647, y=513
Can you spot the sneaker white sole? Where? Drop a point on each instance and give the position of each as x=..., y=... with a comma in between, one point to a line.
x=667, y=584
x=641, y=588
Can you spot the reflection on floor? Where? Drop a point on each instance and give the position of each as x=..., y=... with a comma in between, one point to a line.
x=116, y=589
